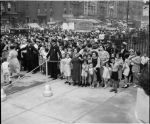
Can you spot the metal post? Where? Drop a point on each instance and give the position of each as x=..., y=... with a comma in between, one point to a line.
x=127, y=21
x=46, y=69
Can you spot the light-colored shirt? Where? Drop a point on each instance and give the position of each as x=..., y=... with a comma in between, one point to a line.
x=115, y=67
x=144, y=60
x=104, y=56
x=136, y=64
x=36, y=46
x=101, y=36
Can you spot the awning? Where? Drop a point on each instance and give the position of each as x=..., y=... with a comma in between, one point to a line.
x=82, y=30
x=41, y=15
x=90, y=20
x=51, y=23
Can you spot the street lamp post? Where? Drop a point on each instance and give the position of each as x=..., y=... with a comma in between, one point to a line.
x=127, y=20
x=9, y=9
x=127, y=13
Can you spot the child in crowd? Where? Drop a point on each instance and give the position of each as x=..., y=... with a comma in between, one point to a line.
x=84, y=57
x=126, y=70
x=62, y=66
x=144, y=61
x=136, y=68
x=84, y=73
x=91, y=75
x=67, y=68
x=5, y=71
x=114, y=75
x=61, y=50
x=45, y=52
x=65, y=50
x=119, y=60
x=89, y=58
x=70, y=51
x=106, y=74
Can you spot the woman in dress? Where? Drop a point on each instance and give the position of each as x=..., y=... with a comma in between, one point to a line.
x=131, y=55
x=14, y=64
x=104, y=57
x=96, y=65
x=76, y=68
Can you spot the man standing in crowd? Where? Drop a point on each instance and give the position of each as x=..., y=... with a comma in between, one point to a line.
x=54, y=58
x=124, y=50
x=30, y=58
x=36, y=55
x=24, y=55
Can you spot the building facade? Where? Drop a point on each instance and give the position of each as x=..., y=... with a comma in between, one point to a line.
x=134, y=9
x=45, y=11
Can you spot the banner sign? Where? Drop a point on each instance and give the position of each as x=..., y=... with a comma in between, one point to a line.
x=84, y=25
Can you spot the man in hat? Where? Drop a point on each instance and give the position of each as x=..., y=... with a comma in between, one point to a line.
x=54, y=58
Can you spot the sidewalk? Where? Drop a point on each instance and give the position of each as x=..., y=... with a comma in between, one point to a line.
x=69, y=104
x=28, y=81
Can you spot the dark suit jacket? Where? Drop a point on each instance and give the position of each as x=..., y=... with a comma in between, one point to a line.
x=53, y=53
x=124, y=53
x=31, y=51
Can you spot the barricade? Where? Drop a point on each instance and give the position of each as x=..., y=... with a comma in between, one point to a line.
x=47, y=89
x=19, y=78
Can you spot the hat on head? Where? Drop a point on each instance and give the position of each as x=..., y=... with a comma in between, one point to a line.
x=66, y=39
x=124, y=43
x=53, y=40
x=96, y=40
x=131, y=50
x=108, y=41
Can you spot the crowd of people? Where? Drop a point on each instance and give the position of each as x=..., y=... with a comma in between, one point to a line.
x=91, y=59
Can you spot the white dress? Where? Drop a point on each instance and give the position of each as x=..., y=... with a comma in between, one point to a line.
x=106, y=72
x=62, y=65
x=126, y=68
x=14, y=65
x=5, y=71
x=144, y=60
x=5, y=67
x=91, y=71
x=84, y=70
x=68, y=67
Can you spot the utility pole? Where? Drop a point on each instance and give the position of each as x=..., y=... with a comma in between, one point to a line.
x=127, y=13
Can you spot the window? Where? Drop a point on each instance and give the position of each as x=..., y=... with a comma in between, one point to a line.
x=90, y=8
x=86, y=8
x=38, y=5
x=45, y=5
x=65, y=3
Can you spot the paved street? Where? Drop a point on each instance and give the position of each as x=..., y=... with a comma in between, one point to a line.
x=69, y=104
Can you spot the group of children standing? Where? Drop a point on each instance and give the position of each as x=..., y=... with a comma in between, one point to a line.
x=110, y=72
